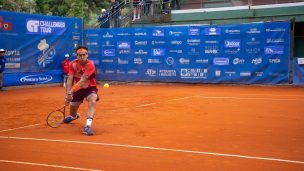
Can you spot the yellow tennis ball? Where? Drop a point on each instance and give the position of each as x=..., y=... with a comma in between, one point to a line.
x=106, y=85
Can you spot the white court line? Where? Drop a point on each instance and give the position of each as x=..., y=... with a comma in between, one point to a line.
x=159, y=149
x=247, y=98
x=47, y=165
x=6, y=130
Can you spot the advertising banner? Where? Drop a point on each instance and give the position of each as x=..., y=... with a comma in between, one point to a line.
x=252, y=53
x=36, y=45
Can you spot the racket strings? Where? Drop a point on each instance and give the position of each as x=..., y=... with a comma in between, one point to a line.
x=55, y=119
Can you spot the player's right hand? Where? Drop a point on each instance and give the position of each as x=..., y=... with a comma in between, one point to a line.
x=68, y=99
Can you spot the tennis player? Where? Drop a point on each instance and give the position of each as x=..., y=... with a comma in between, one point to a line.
x=81, y=84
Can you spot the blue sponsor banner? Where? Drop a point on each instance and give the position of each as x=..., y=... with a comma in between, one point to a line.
x=244, y=53
x=36, y=45
x=298, y=71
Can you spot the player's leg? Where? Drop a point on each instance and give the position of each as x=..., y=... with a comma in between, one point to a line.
x=73, y=112
x=74, y=105
x=92, y=98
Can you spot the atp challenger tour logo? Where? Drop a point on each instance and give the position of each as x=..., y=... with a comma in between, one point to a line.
x=35, y=26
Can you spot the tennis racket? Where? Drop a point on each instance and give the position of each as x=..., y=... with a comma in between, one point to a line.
x=55, y=118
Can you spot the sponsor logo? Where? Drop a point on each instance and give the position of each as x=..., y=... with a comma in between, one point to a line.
x=123, y=34
x=154, y=61
x=193, y=31
x=167, y=73
x=5, y=25
x=158, y=33
x=259, y=74
x=107, y=60
x=14, y=52
x=176, y=51
x=138, y=61
x=217, y=73
x=253, y=50
x=274, y=60
x=154, y=42
x=271, y=40
x=36, y=79
x=92, y=43
x=192, y=42
x=272, y=50
x=300, y=61
x=212, y=31
x=47, y=54
x=140, y=34
x=120, y=72
x=229, y=31
x=211, y=50
x=176, y=42
x=253, y=41
x=170, y=61
x=91, y=35
x=107, y=35
x=184, y=61
x=202, y=61
x=276, y=30
x=124, y=51
x=256, y=61
x=140, y=52
x=193, y=52
x=237, y=61
x=151, y=72
x=194, y=72
x=122, y=61
x=108, y=52
x=45, y=27
x=232, y=43
x=232, y=51
x=245, y=74
x=109, y=71
x=221, y=61
x=158, y=52
x=211, y=42
x=175, y=33
x=141, y=43
x=123, y=45
x=253, y=31
x=132, y=71
x=107, y=44
x=230, y=73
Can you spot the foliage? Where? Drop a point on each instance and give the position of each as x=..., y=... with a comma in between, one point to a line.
x=88, y=10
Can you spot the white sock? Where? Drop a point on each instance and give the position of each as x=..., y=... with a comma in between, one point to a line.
x=89, y=122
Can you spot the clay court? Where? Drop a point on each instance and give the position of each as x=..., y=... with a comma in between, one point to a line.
x=180, y=127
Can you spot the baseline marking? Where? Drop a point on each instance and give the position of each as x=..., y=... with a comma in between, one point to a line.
x=247, y=98
x=159, y=149
x=47, y=165
x=6, y=130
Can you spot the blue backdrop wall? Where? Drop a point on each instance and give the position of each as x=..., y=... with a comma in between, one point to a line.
x=244, y=53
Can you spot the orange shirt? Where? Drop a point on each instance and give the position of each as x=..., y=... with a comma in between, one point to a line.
x=77, y=70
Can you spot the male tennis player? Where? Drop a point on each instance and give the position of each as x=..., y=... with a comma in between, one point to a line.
x=82, y=72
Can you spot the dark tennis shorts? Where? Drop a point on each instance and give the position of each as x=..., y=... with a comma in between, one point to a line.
x=79, y=95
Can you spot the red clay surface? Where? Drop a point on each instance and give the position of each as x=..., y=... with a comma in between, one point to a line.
x=158, y=127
